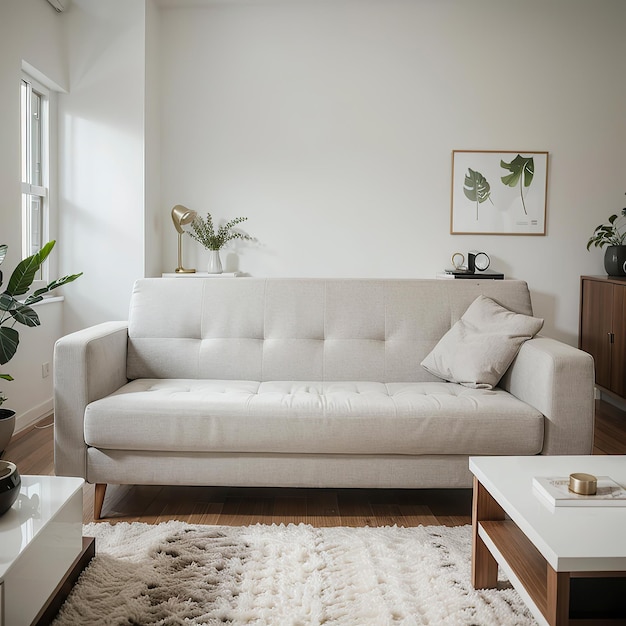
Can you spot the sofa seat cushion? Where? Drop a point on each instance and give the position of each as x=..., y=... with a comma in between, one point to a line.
x=312, y=418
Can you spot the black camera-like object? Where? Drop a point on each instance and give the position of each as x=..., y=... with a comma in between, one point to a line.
x=477, y=261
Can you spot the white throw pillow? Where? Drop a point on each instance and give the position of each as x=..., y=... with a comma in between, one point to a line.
x=478, y=349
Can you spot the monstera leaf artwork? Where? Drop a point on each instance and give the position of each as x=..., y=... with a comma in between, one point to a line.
x=476, y=188
x=488, y=187
x=522, y=171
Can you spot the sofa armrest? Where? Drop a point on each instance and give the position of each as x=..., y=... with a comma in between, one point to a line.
x=88, y=365
x=558, y=380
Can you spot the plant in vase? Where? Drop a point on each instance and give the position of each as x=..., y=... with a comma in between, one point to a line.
x=204, y=233
x=612, y=235
x=15, y=311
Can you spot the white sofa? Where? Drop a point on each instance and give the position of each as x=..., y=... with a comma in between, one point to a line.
x=303, y=383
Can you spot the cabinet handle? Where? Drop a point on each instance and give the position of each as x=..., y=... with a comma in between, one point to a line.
x=611, y=338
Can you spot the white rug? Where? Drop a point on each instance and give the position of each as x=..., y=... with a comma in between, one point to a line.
x=175, y=573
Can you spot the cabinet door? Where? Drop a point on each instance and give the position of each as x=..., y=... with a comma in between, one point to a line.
x=596, y=327
x=618, y=348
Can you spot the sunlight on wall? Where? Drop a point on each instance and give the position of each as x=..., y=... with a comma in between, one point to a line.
x=102, y=136
x=102, y=199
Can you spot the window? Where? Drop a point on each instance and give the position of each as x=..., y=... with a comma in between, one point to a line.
x=34, y=140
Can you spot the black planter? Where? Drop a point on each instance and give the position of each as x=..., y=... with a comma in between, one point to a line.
x=7, y=426
x=615, y=260
x=10, y=482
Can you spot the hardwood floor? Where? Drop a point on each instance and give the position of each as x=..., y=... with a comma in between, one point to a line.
x=32, y=451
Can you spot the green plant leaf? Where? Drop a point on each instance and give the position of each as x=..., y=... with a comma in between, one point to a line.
x=9, y=340
x=24, y=274
x=476, y=188
x=13, y=311
x=608, y=234
x=25, y=315
x=204, y=233
x=522, y=171
x=37, y=296
x=6, y=377
x=520, y=167
x=7, y=302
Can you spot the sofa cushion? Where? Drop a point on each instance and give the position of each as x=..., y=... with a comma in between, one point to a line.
x=478, y=349
x=312, y=418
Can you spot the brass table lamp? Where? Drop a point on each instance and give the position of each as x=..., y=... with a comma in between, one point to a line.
x=181, y=216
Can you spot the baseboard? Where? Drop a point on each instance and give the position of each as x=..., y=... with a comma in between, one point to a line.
x=34, y=415
x=616, y=401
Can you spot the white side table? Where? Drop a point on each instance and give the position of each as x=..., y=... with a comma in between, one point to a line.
x=41, y=546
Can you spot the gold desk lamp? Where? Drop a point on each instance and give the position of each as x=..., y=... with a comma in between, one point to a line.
x=181, y=216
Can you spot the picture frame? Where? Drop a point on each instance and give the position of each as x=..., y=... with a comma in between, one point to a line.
x=499, y=192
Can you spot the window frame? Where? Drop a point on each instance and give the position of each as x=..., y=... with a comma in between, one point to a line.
x=28, y=85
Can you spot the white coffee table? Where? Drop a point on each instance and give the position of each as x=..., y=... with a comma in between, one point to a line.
x=567, y=563
x=41, y=549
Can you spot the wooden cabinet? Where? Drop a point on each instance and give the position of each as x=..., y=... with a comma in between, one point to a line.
x=602, y=330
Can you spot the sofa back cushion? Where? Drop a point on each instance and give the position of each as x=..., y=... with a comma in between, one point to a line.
x=300, y=328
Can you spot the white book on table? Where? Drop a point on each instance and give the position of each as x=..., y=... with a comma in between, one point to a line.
x=555, y=489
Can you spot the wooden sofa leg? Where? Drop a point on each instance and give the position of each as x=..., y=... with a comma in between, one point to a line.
x=98, y=499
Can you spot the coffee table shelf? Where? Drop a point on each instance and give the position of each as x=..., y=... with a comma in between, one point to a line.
x=520, y=558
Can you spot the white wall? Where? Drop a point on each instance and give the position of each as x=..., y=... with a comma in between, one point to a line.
x=31, y=32
x=102, y=142
x=330, y=125
x=154, y=217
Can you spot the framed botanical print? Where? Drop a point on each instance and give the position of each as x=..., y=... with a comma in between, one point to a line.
x=499, y=192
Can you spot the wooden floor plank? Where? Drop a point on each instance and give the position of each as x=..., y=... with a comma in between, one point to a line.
x=418, y=515
x=207, y=513
x=289, y=510
x=388, y=514
x=322, y=508
x=254, y=510
x=354, y=508
x=229, y=513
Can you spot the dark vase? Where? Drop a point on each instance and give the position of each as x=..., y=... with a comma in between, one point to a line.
x=615, y=260
x=7, y=426
x=10, y=483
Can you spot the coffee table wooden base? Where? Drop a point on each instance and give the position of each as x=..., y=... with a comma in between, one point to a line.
x=498, y=541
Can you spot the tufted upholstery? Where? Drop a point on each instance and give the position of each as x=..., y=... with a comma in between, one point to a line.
x=298, y=329
x=312, y=418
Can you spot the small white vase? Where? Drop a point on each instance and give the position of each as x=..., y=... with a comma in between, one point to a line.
x=215, y=263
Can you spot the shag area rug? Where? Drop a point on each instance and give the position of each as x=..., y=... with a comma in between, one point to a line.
x=175, y=573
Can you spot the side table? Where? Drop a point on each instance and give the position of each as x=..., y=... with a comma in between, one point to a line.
x=201, y=275
x=42, y=550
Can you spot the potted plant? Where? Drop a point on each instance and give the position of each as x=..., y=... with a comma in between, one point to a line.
x=204, y=233
x=612, y=235
x=15, y=311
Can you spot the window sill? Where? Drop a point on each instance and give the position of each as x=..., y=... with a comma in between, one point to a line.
x=48, y=300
